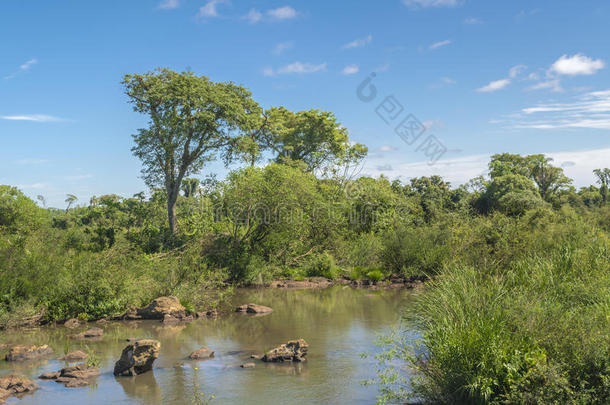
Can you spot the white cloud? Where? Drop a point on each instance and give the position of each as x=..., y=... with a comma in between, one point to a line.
x=78, y=177
x=516, y=71
x=282, y=13
x=577, y=165
x=276, y=14
x=31, y=117
x=494, y=86
x=34, y=186
x=210, y=10
x=31, y=161
x=359, y=43
x=350, y=70
x=447, y=80
x=552, y=84
x=472, y=21
x=282, y=46
x=587, y=111
x=576, y=65
x=388, y=148
x=169, y=4
x=23, y=68
x=254, y=16
x=382, y=68
x=295, y=68
x=431, y=3
x=439, y=44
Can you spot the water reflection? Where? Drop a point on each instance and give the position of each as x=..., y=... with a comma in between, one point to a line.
x=338, y=323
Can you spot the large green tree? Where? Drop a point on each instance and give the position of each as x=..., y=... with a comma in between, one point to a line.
x=312, y=138
x=191, y=119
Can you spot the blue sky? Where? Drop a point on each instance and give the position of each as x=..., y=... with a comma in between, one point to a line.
x=482, y=76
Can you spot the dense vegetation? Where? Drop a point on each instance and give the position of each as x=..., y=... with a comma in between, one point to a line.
x=518, y=306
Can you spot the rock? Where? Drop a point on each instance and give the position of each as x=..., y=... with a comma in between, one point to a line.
x=248, y=365
x=166, y=309
x=172, y=319
x=256, y=356
x=294, y=350
x=137, y=357
x=27, y=352
x=212, y=313
x=31, y=321
x=202, y=354
x=314, y=282
x=74, y=356
x=79, y=375
x=101, y=321
x=53, y=375
x=254, y=309
x=131, y=339
x=15, y=385
x=72, y=323
x=159, y=307
x=4, y=346
x=93, y=333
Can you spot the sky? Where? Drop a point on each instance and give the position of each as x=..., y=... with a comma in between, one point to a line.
x=430, y=86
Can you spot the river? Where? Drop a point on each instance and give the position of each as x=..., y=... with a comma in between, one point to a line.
x=339, y=323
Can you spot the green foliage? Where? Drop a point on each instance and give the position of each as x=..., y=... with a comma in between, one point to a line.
x=322, y=265
x=527, y=325
x=375, y=276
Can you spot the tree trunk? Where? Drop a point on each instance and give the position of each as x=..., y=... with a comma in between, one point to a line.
x=172, y=196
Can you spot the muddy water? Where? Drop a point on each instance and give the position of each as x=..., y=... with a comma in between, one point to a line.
x=338, y=323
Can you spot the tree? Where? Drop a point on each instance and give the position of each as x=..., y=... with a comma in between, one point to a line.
x=190, y=187
x=603, y=178
x=313, y=138
x=42, y=200
x=549, y=179
x=191, y=118
x=70, y=199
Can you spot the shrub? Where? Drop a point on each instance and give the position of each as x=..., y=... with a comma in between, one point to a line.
x=322, y=265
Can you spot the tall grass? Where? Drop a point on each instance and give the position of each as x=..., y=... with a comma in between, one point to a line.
x=534, y=332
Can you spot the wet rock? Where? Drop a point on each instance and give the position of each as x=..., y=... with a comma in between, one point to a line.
x=15, y=385
x=27, y=352
x=315, y=282
x=137, y=357
x=253, y=309
x=294, y=350
x=202, y=354
x=248, y=365
x=166, y=309
x=79, y=375
x=72, y=323
x=53, y=375
x=93, y=334
x=256, y=356
x=74, y=356
x=31, y=321
x=172, y=319
x=212, y=313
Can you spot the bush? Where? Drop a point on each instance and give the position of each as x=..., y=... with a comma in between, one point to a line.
x=375, y=275
x=322, y=265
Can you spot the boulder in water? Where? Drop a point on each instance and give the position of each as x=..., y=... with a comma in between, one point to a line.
x=202, y=354
x=294, y=350
x=15, y=385
x=137, y=357
x=27, y=352
x=253, y=309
